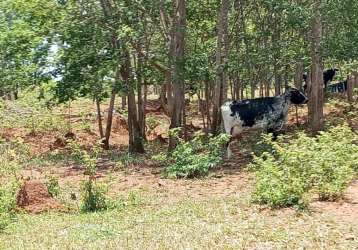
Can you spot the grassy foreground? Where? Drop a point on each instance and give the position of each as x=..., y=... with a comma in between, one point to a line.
x=227, y=223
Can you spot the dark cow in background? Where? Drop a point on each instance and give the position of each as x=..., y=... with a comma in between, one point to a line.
x=339, y=87
x=328, y=76
x=267, y=113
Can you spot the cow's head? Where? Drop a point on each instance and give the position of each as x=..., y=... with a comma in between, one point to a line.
x=296, y=96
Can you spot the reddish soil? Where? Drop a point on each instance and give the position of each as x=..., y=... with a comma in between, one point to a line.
x=34, y=198
x=120, y=124
x=154, y=106
x=345, y=209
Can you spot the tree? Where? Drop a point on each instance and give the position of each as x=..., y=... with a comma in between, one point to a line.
x=316, y=98
x=220, y=93
x=178, y=33
x=25, y=40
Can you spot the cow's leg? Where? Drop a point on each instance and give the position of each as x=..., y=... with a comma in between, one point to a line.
x=229, y=152
x=234, y=136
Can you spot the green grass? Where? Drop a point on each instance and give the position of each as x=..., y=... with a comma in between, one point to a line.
x=154, y=223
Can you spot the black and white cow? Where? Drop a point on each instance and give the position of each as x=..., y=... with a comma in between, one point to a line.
x=267, y=113
x=339, y=87
x=328, y=76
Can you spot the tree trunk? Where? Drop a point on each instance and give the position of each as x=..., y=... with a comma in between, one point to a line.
x=179, y=26
x=238, y=30
x=239, y=89
x=207, y=105
x=145, y=98
x=267, y=88
x=107, y=10
x=287, y=68
x=278, y=81
x=232, y=88
x=141, y=111
x=242, y=88
x=135, y=138
x=220, y=93
x=163, y=96
x=355, y=79
x=235, y=89
x=298, y=75
x=169, y=93
x=350, y=87
x=252, y=89
x=261, y=89
x=276, y=35
x=315, y=104
x=123, y=101
x=99, y=116
x=109, y=119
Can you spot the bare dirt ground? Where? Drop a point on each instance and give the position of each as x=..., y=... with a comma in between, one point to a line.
x=34, y=198
x=344, y=210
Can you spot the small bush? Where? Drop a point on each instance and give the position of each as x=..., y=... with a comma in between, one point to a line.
x=12, y=156
x=194, y=158
x=93, y=196
x=8, y=191
x=87, y=160
x=297, y=168
x=53, y=187
x=151, y=123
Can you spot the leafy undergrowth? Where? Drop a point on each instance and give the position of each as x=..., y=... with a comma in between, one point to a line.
x=194, y=158
x=297, y=168
x=32, y=114
x=230, y=223
x=12, y=156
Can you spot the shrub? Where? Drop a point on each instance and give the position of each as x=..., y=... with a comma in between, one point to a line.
x=87, y=160
x=53, y=187
x=151, y=123
x=12, y=155
x=8, y=191
x=93, y=194
x=194, y=158
x=298, y=168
